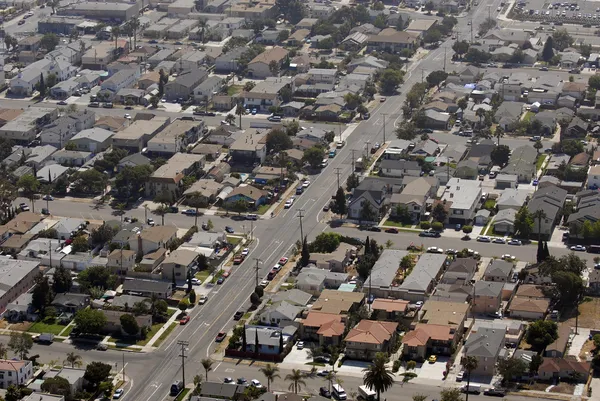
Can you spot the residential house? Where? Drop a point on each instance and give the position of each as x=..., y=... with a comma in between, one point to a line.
x=261, y=66
x=399, y=168
x=414, y=196
x=183, y=86
x=18, y=276
x=392, y=41
x=266, y=94
x=390, y=309
x=249, y=146
x=580, y=161
x=135, y=137
x=71, y=158
x=207, y=89
x=421, y=282
x=177, y=265
x=148, y=288
x=487, y=297
x=15, y=372
x=593, y=181
x=293, y=296
x=498, y=270
x=313, y=280
x=564, y=368
x=512, y=198
x=125, y=78
x=169, y=177
x=528, y=308
x=461, y=270
x=152, y=238
x=522, y=164
x=508, y=113
x=376, y=193
x=113, y=320
x=463, y=196
x=93, y=140
x=485, y=346
x=426, y=339
x=120, y=261
x=280, y=314
x=70, y=302
x=558, y=348
x=229, y=62
x=326, y=328
x=550, y=200
x=369, y=337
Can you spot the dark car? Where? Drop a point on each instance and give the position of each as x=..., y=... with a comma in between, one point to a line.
x=220, y=337
x=324, y=392
x=229, y=229
x=375, y=229
x=238, y=315
x=153, y=41
x=495, y=392
x=392, y=231
x=220, y=280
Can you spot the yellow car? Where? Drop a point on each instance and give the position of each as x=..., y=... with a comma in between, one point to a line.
x=432, y=359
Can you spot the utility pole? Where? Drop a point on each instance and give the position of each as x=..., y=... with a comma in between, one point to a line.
x=368, y=143
x=422, y=75
x=183, y=344
x=251, y=228
x=353, y=159
x=340, y=131
x=338, y=172
x=258, y=261
x=123, y=366
x=384, y=116
x=471, y=31
x=300, y=211
x=50, y=250
x=444, y=62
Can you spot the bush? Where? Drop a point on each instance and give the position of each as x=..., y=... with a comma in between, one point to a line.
x=259, y=291
x=467, y=229
x=396, y=367
x=425, y=225
x=192, y=297
x=437, y=226
x=183, y=304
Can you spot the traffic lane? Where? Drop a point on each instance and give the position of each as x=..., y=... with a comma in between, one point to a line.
x=403, y=239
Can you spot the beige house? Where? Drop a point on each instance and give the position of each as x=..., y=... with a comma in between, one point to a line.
x=152, y=238
x=259, y=66
x=113, y=321
x=389, y=309
x=178, y=262
x=326, y=328
x=528, y=308
x=426, y=339
x=487, y=297
x=485, y=345
x=335, y=261
x=121, y=260
x=369, y=337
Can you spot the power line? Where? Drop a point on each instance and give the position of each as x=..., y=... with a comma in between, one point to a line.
x=300, y=211
x=384, y=116
x=183, y=344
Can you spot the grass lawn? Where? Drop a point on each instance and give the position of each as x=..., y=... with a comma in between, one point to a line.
x=489, y=230
x=262, y=209
x=202, y=275
x=392, y=223
x=247, y=315
x=540, y=161
x=234, y=89
x=133, y=341
x=233, y=240
x=182, y=395
x=41, y=327
x=165, y=334
x=489, y=204
x=528, y=116
x=68, y=330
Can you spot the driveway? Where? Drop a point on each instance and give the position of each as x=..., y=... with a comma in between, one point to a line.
x=298, y=357
x=432, y=371
x=577, y=341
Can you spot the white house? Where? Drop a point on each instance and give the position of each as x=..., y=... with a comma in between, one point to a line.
x=15, y=372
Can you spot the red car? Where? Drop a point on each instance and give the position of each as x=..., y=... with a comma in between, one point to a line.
x=225, y=274
x=392, y=231
x=283, y=261
x=220, y=337
x=238, y=259
x=185, y=319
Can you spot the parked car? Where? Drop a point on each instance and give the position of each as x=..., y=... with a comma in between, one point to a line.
x=432, y=359
x=48, y=198
x=283, y=261
x=578, y=248
x=185, y=319
x=229, y=229
x=494, y=392
x=118, y=393
x=515, y=242
x=202, y=300
x=220, y=337
x=300, y=345
x=324, y=392
x=483, y=238
x=392, y=231
x=238, y=315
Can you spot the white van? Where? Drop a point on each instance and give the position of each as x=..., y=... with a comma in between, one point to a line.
x=324, y=163
x=338, y=392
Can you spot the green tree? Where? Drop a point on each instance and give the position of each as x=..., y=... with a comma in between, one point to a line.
x=340, y=205
x=352, y=182
x=207, y=364
x=538, y=146
x=278, y=140
x=542, y=333
x=390, y=79
x=436, y=77
x=469, y=363
x=511, y=368
x=536, y=362
x=57, y=385
x=42, y=293
x=561, y=39
x=240, y=206
x=270, y=372
x=297, y=380
x=500, y=155
x=240, y=111
x=377, y=376
x=304, y=254
x=197, y=200
x=73, y=359
x=49, y=42
x=90, y=320
x=313, y=156
x=439, y=213
x=367, y=213
x=96, y=373
x=523, y=222
x=594, y=81
x=538, y=216
x=20, y=344
x=406, y=130
x=461, y=48
x=129, y=324
x=30, y=186
x=450, y=394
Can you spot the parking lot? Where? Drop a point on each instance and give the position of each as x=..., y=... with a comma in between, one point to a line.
x=586, y=12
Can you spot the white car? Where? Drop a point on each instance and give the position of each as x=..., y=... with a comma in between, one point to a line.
x=435, y=249
x=483, y=238
x=255, y=383
x=195, y=281
x=506, y=256
x=515, y=242
x=48, y=197
x=451, y=251
x=499, y=240
x=277, y=267
x=305, y=184
x=288, y=203
x=202, y=300
x=577, y=248
x=264, y=283
x=300, y=345
x=245, y=252
x=127, y=116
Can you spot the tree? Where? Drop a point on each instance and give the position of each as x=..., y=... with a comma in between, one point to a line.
x=500, y=155
x=403, y=215
x=462, y=103
x=3, y=351
x=20, y=344
x=534, y=365
x=129, y=324
x=304, y=254
x=511, y=367
x=270, y=372
x=30, y=186
x=430, y=6
x=538, y=145
x=278, y=140
x=297, y=380
x=542, y=333
x=90, y=320
x=498, y=133
x=450, y=394
x=248, y=86
x=106, y=388
x=594, y=81
x=274, y=67
x=362, y=109
x=313, y=156
x=548, y=51
x=329, y=377
x=367, y=213
x=183, y=304
x=339, y=206
x=352, y=182
x=96, y=373
x=539, y=215
x=569, y=287
x=460, y=48
x=207, y=364
x=73, y=359
x=42, y=294
x=326, y=242
x=390, y=79
x=161, y=211
x=96, y=276
x=240, y=206
x=469, y=363
x=51, y=80
x=439, y=213
x=377, y=376
x=419, y=397
x=486, y=25
x=561, y=39
x=80, y=244
x=523, y=222
x=49, y=42
x=230, y=119
x=57, y=385
x=436, y=77
x=406, y=130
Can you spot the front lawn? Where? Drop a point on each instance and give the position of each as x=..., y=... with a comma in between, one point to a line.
x=489, y=204
x=540, y=161
x=393, y=223
x=41, y=327
x=234, y=90
x=165, y=334
x=262, y=209
x=202, y=275
x=528, y=115
x=233, y=240
x=135, y=341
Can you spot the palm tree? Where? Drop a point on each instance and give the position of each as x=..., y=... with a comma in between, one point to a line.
x=499, y=133
x=469, y=363
x=207, y=365
x=480, y=113
x=538, y=145
x=134, y=23
x=297, y=380
x=270, y=372
x=378, y=376
x=116, y=30
x=230, y=119
x=202, y=25
x=240, y=110
x=161, y=211
x=539, y=215
x=330, y=377
x=196, y=200
x=73, y=359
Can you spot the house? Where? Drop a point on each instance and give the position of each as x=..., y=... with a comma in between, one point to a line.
x=564, y=368
x=15, y=372
x=426, y=339
x=369, y=337
x=70, y=302
x=169, y=177
x=507, y=181
x=498, y=270
x=183, y=86
x=254, y=197
x=177, y=265
x=313, y=280
x=152, y=238
x=71, y=158
x=280, y=314
x=463, y=197
x=461, y=270
x=580, y=161
x=18, y=276
x=59, y=132
x=338, y=302
x=113, y=320
x=133, y=160
x=558, y=348
x=93, y=140
x=42, y=250
x=293, y=296
x=335, y=261
x=326, y=328
x=112, y=123
x=528, y=308
x=74, y=376
x=508, y=113
x=486, y=346
x=23, y=128
x=392, y=41
x=512, y=198
x=39, y=156
x=134, y=138
x=125, y=78
x=522, y=163
x=550, y=200
x=399, y=168
x=414, y=196
x=389, y=309
x=421, y=282
x=207, y=89
x=260, y=66
x=148, y=288
x=372, y=191
x=271, y=340
x=593, y=181
x=266, y=94
x=487, y=297
x=121, y=260
x=250, y=146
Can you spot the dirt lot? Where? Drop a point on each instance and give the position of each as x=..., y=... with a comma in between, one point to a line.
x=20, y=326
x=563, y=388
x=586, y=350
x=589, y=314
